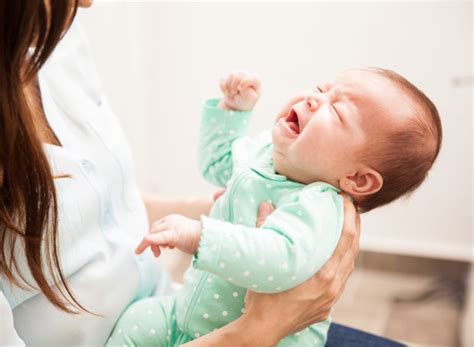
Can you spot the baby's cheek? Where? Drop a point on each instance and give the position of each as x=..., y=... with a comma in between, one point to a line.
x=314, y=139
x=310, y=148
x=322, y=148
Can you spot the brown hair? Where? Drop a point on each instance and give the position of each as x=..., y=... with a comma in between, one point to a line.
x=410, y=152
x=28, y=205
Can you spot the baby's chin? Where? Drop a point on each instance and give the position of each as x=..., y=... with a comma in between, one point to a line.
x=284, y=167
x=280, y=144
x=280, y=162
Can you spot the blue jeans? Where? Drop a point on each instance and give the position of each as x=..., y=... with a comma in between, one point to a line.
x=342, y=336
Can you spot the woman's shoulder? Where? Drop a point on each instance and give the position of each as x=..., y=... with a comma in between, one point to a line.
x=70, y=70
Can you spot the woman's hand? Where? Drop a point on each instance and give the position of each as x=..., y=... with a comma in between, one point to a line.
x=312, y=301
x=270, y=317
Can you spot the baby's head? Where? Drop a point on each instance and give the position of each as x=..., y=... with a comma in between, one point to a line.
x=371, y=133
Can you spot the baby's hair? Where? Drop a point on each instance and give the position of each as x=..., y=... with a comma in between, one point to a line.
x=409, y=153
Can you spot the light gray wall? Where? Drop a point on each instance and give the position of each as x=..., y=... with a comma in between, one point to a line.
x=160, y=60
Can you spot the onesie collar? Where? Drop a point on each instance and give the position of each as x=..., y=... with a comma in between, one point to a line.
x=264, y=165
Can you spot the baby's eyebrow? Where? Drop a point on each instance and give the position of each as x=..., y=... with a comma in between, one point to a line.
x=323, y=86
x=341, y=93
x=338, y=92
x=318, y=88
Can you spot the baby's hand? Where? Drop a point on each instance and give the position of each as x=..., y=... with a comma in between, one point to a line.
x=241, y=91
x=172, y=231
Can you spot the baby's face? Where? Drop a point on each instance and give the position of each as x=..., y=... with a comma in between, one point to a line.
x=321, y=135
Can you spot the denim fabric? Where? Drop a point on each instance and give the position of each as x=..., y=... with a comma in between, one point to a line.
x=342, y=336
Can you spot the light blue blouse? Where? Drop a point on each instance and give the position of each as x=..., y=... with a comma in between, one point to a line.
x=101, y=213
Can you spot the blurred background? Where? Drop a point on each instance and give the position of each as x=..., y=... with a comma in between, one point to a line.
x=159, y=60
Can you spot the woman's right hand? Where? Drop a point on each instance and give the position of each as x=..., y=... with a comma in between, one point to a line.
x=270, y=317
x=311, y=301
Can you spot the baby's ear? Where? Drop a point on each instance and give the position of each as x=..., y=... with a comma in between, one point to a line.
x=365, y=181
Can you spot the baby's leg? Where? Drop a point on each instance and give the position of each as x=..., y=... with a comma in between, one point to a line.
x=147, y=322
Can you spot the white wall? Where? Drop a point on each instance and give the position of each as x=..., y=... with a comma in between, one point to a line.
x=158, y=61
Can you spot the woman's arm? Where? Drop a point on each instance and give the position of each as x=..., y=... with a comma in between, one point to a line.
x=306, y=304
x=158, y=207
x=246, y=331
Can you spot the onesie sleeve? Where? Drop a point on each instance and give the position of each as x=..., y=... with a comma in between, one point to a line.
x=219, y=129
x=293, y=244
x=8, y=334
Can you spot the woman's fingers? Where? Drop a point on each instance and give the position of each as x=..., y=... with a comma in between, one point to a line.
x=218, y=194
x=334, y=274
x=347, y=263
x=264, y=211
x=350, y=231
x=311, y=301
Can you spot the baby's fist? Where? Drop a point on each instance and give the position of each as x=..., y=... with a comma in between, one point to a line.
x=241, y=91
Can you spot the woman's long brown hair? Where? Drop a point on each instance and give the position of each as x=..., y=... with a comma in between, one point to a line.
x=28, y=204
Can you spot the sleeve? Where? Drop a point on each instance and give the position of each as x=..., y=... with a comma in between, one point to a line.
x=8, y=334
x=219, y=129
x=292, y=245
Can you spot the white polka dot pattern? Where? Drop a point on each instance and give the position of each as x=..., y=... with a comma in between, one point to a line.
x=292, y=244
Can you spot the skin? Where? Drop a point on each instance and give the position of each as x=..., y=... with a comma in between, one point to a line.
x=336, y=123
x=85, y=3
x=308, y=303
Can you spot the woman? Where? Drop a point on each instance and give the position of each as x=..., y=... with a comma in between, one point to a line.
x=70, y=212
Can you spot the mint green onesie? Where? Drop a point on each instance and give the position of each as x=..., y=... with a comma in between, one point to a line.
x=234, y=255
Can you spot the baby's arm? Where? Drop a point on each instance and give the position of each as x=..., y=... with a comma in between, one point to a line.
x=293, y=243
x=224, y=121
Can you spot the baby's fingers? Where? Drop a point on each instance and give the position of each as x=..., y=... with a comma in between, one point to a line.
x=250, y=81
x=223, y=85
x=237, y=77
x=142, y=246
x=156, y=251
x=228, y=84
x=165, y=238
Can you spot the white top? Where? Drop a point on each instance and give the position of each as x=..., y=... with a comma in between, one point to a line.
x=101, y=214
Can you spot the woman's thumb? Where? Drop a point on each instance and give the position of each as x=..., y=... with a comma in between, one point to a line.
x=264, y=211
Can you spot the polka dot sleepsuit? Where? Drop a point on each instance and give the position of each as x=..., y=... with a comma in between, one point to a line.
x=234, y=255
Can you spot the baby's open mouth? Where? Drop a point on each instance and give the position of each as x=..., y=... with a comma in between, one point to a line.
x=293, y=122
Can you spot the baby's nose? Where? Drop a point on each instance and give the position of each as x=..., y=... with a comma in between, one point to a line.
x=311, y=103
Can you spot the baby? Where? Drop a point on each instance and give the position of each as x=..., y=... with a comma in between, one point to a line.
x=370, y=133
